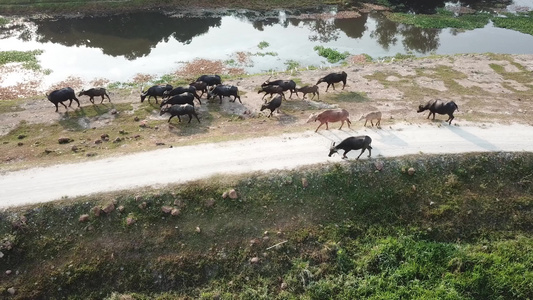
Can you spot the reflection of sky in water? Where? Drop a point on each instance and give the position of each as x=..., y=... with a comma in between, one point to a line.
x=235, y=34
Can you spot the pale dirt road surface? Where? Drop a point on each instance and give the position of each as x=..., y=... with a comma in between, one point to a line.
x=182, y=164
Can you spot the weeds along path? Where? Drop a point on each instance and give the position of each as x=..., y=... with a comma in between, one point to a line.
x=182, y=164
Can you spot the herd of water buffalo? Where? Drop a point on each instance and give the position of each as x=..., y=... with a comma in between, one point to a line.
x=179, y=101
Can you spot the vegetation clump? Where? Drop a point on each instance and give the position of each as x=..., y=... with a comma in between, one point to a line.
x=332, y=55
x=27, y=58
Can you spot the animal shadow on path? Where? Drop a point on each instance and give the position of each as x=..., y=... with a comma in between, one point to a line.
x=482, y=143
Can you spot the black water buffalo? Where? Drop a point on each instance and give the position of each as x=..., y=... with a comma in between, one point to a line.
x=180, y=90
x=333, y=78
x=200, y=86
x=154, y=91
x=210, y=80
x=271, y=89
x=308, y=90
x=180, y=110
x=273, y=105
x=61, y=95
x=186, y=98
x=95, y=92
x=352, y=143
x=224, y=91
x=286, y=85
x=440, y=107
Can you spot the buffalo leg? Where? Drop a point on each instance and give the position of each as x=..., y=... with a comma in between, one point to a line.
x=197, y=117
x=344, y=155
x=170, y=118
x=190, y=118
x=318, y=127
x=363, y=150
x=328, y=87
x=343, y=84
x=342, y=124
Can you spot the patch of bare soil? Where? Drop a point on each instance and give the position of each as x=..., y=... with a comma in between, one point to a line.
x=396, y=88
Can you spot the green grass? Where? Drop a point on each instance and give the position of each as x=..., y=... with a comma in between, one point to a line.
x=459, y=228
x=332, y=55
x=27, y=58
x=519, y=22
x=442, y=19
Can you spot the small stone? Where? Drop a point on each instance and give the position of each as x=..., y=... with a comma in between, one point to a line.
x=413, y=188
x=232, y=194
x=109, y=208
x=8, y=272
x=11, y=290
x=64, y=140
x=411, y=171
x=283, y=286
x=84, y=218
x=166, y=209
x=21, y=136
x=98, y=141
x=198, y=230
x=104, y=137
x=305, y=183
x=96, y=211
x=378, y=165
x=175, y=212
x=143, y=205
x=74, y=148
x=130, y=221
x=20, y=144
x=225, y=195
x=159, y=144
x=120, y=208
x=254, y=260
x=136, y=119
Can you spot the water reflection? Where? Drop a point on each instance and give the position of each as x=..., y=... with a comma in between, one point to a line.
x=118, y=47
x=131, y=36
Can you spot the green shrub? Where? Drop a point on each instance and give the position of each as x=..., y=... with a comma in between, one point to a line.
x=333, y=56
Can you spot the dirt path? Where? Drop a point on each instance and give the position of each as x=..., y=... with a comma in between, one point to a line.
x=167, y=166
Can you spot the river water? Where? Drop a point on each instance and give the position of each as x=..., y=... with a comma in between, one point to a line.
x=119, y=47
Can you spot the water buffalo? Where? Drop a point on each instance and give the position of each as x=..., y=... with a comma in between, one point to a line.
x=224, y=91
x=286, y=85
x=200, y=86
x=440, y=107
x=333, y=78
x=61, y=95
x=180, y=110
x=273, y=105
x=186, y=98
x=375, y=115
x=352, y=143
x=210, y=80
x=95, y=92
x=180, y=90
x=271, y=89
x=308, y=90
x=154, y=91
x=330, y=115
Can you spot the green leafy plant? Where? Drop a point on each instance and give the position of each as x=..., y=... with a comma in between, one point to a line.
x=332, y=55
x=262, y=45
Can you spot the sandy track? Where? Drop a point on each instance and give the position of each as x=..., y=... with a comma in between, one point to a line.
x=182, y=164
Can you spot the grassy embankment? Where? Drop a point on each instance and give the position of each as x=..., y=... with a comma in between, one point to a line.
x=460, y=227
x=106, y=6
